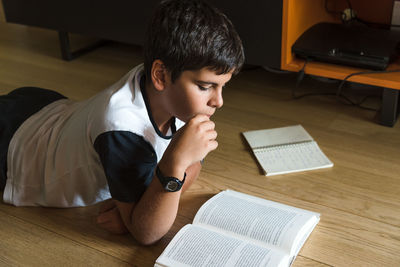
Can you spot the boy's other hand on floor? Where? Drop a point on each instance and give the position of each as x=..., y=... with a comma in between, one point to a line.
x=110, y=219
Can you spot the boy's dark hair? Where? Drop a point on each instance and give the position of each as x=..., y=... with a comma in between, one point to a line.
x=190, y=35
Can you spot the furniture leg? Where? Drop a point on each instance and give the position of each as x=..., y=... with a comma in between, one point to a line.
x=65, y=46
x=390, y=107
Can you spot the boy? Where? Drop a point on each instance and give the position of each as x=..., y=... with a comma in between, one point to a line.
x=139, y=142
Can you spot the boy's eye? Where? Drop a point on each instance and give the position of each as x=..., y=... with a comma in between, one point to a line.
x=203, y=88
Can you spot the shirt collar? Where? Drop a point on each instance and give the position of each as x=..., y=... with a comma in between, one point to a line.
x=142, y=84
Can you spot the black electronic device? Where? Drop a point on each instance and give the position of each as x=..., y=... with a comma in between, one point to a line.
x=353, y=45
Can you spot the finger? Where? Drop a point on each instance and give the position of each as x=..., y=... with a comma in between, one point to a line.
x=114, y=228
x=212, y=145
x=200, y=118
x=112, y=223
x=211, y=135
x=209, y=124
x=107, y=205
x=206, y=125
x=102, y=218
x=109, y=226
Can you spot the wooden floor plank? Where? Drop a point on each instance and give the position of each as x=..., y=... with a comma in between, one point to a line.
x=26, y=244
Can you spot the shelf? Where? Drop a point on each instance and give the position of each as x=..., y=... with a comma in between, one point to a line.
x=299, y=15
x=387, y=80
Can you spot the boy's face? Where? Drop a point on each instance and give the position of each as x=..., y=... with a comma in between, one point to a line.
x=196, y=92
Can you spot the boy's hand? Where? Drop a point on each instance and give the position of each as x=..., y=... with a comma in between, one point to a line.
x=110, y=219
x=189, y=145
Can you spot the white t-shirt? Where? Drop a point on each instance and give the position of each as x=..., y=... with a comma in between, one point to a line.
x=74, y=153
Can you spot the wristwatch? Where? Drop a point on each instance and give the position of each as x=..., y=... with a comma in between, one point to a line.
x=170, y=184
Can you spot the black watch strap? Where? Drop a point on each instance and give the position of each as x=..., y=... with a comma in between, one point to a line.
x=170, y=184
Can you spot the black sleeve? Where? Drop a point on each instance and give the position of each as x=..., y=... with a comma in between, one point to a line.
x=128, y=161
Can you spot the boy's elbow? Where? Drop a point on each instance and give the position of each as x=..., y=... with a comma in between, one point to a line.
x=146, y=239
x=146, y=234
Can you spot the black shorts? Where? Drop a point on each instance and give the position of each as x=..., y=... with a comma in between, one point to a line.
x=15, y=108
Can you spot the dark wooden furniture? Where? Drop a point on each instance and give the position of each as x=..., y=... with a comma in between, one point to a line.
x=258, y=22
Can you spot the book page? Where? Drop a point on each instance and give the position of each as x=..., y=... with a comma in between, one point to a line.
x=277, y=136
x=198, y=246
x=272, y=223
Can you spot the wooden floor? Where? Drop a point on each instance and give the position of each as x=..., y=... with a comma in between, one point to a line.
x=359, y=198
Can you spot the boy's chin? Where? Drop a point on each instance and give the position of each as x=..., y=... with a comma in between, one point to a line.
x=185, y=119
x=188, y=118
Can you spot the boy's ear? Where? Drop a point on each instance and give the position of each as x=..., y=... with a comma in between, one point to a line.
x=159, y=75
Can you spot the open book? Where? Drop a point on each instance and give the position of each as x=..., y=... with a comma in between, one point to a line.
x=236, y=229
x=285, y=150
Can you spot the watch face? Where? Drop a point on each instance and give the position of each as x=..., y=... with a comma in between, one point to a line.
x=172, y=186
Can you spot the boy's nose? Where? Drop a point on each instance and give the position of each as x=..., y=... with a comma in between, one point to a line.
x=217, y=101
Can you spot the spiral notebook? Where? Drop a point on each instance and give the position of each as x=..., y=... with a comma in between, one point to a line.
x=285, y=150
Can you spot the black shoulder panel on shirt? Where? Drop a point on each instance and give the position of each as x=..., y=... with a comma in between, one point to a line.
x=128, y=161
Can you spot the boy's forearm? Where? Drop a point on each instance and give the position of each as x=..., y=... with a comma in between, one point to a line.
x=152, y=217
x=154, y=214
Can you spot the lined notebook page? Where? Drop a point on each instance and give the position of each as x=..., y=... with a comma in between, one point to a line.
x=291, y=158
x=286, y=149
